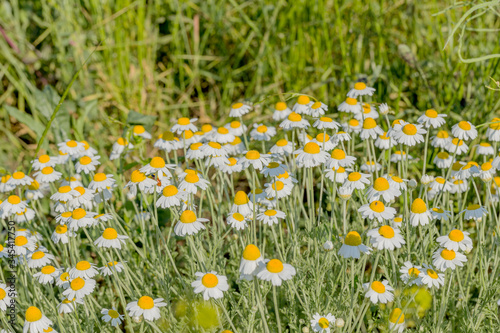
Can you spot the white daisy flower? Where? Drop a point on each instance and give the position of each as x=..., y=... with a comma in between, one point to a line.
x=275, y=271
x=4, y=184
x=87, y=164
x=68, y=306
x=119, y=147
x=440, y=214
x=167, y=142
x=410, y=274
x=239, y=110
x=352, y=246
x=283, y=147
x=192, y=181
x=281, y=111
x=458, y=146
x=444, y=259
x=110, y=267
x=441, y=140
x=237, y=221
x=410, y=134
x=157, y=166
x=43, y=161
x=357, y=180
x=303, y=105
x=79, y=288
x=19, y=178
x=236, y=128
x=456, y=240
x=61, y=234
x=443, y=160
x=23, y=244
x=147, y=307
x=39, y=259
x=493, y=131
x=83, y=269
x=26, y=216
x=270, y=216
x=419, y=214
x=194, y=152
x=71, y=147
x=352, y=126
x=430, y=277
x=464, y=130
x=317, y=109
x=242, y=204
x=184, y=124
x=385, y=142
x=360, y=89
x=294, y=120
x=255, y=159
x=400, y=156
x=232, y=166
x=189, y=224
x=262, y=132
x=210, y=284
x=379, y=292
x=222, y=135
x=140, y=131
x=432, y=119
x=397, y=321
x=47, y=274
x=5, y=299
x=382, y=189
x=485, y=149
x=341, y=136
x=80, y=218
x=474, y=212
x=13, y=205
x=250, y=262
x=323, y=324
x=350, y=105
x=324, y=123
x=311, y=155
x=63, y=280
x=386, y=237
x=112, y=316
x=339, y=158
x=278, y=188
x=110, y=239
x=35, y=321
x=338, y=175
x=376, y=210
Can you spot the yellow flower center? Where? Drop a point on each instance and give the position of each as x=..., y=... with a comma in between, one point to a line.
x=85, y=160
x=443, y=155
x=146, y=303
x=235, y=124
x=237, y=105
x=353, y=122
x=183, y=121
x=37, y=255
x=311, y=148
x=278, y=185
x=352, y=239
x=386, y=231
x=83, y=265
x=79, y=213
x=316, y=105
x=448, y=254
x=354, y=176
x=167, y=136
x=137, y=176
x=359, y=86
x=33, y=314
x=157, y=162
x=170, y=190
x=303, y=100
x=377, y=206
x=139, y=129
x=252, y=155
x=188, y=216
x=262, y=129
x=113, y=314
x=274, y=266
x=195, y=146
x=338, y=154
x=18, y=175
x=99, y=177
x=20, y=241
x=397, y=314
x=215, y=145
x=251, y=252
x=418, y=206
x=378, y=287
x=281, y=143
x=410, y=129
x=61, y=229
x=207, y=128
x=14, y=200
x=473, y=207
x=457, y=142
x=48, y=269
x=295, y=117
x=77, y=283
x=456, y=235
x=71, y=143
x=431, y=113
x=326, y=119
x=44, y=158
x=438, y=210
x=192, y=178
x=351, y=101
x=2, y=294
x=384, y=136
x=464, y=125
x=413, y=272
x=270, y=212
x=232, y=161
x=280, y=106
x=238, y=217
x=210, y=280
x=236, y=141
x=240, y=198
x=110, y=233
x=64, y=276
x=432, y=273
x=222, y=130
x=442, y=135
x=34, y=185
x=323, y=322
x=369, y=123
x=381, y=184
x=495, y=124
x=121, y=141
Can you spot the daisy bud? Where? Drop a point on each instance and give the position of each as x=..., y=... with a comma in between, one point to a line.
x=305, y=329
x=412, y=183
x=339, y=322
x=427, y=179
x=383, y=109
x=345, y=193
x=131, y=196
x=137, y=319
x=328, y=246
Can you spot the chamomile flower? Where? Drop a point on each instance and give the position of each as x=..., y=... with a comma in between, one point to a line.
x=71, y=147
x=239, y=110
x=222, y=135
x=303, y=105
x=214, y=149
x=112, y=316
x=341, y=136
x=379, y=292
x=63, y=280
x=382, y=189
x=83, y=269
x=383, y=109
x=294, y=120
x=43, y=161
x=47, y=274
x=81, y=218
x=352, y=246
x=232, y=166
x=47, y=175
x=338, y=175
x=324, y=123
x=311, y=155
x=242, y=204
x=370, y=129
x=360, y=89
x=262, y=132
x=376, y=210
x=61, y=234
x=255, y=159
x=13, y=205
x=474, y=212
x=171, y=196
x=79, y=288
x=275, y=271
x=237, y=221
x=87, y=164
x=119, y=147
x=110, y=239
x=457, y=146
x=191, y=181
x=464, y=130
x=273, y=169
x=459, y=186
x=68, y=305
x=384, y=142
x=110, y=267
x=323, y=324
x=431, y=118
x=386, y=237
x=443, y=160
x=410, y=134
x=410, y=274
x=35, y=321
x=485, y=149
x=317, y=109
x=419, y=214
x=184, y=124
x=167, y=142
x=236, y=147
x=278, y=189
x=210, y=284
x=440, y=184
x=352, y=126
x=23, y=244
x=444, y=259
x=441, y=140
x=140, y=131
x=493, y=131
x=236, y=128
x=357, y=180
x=397, y=320
x=281, y=111
x=39, y=259
x=440, y=214
x=4, y=184
x=400, y=156
x=19, y=178
x=147, y=307
x=338, y=158
x=398, y=183
x=350, y=105
x=5, y=300
x=486, y=172
x=27, y=215
x=456, y=240
x=430, y=277
x=157, y=166
x=283, y=147
x=189, y=224
x=250, y=262
x=271, y=216
x=194, y=152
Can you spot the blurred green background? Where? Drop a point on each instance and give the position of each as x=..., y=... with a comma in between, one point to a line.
x=167, y=58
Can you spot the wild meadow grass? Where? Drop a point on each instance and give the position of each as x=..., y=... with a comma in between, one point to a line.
x=204, y=171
